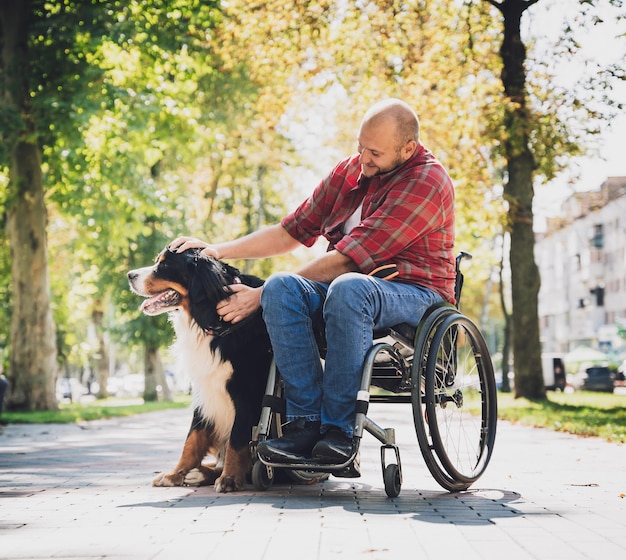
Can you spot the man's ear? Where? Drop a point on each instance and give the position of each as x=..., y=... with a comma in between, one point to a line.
x=408, y=149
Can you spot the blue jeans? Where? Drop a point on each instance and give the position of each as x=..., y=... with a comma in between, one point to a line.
x=353, y=305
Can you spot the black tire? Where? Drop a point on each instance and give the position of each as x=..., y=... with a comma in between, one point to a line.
x=458, y=375
x=423, y=338
x=391, y=477
x=262, y=476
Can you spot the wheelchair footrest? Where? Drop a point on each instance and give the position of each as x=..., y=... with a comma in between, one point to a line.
x=349, y=469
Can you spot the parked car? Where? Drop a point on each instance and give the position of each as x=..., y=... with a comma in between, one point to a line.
x=595, y=378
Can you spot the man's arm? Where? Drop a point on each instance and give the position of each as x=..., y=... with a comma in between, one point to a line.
x=327, y=267
x=267, y=242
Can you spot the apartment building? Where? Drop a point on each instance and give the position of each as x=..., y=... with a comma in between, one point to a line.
x=582, y=262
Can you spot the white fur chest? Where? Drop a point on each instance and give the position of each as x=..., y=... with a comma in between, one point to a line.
x=208, y=374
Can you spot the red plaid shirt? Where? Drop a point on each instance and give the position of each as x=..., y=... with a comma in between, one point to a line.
x=407, y=219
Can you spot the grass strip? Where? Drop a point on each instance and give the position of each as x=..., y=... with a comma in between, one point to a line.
x=93, y=410
x=582, y=413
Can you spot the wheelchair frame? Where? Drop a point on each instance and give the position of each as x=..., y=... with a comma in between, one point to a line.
x=453, y=369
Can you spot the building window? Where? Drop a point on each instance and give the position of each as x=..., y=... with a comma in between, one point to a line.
x=597, y=240
x=598, y=291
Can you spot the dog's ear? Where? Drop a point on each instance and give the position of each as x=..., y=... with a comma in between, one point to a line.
x=207, y=280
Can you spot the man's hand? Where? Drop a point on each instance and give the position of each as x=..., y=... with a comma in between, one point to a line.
x=181, y=244
x=242, y=303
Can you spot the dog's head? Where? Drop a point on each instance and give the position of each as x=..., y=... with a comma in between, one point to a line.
x=187, y=282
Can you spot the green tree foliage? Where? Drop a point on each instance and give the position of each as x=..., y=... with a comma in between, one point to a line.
x=148, y=120
x=337, y=58
x=118, y=98
x=463, y=66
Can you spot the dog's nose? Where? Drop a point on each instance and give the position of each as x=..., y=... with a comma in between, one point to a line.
x=132, y=275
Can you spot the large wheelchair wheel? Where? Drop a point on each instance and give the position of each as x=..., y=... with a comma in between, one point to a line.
x=454, y=401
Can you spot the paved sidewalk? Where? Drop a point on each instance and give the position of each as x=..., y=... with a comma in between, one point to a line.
x=83, y=491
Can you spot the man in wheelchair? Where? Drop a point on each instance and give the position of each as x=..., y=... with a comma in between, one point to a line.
x=388, y=215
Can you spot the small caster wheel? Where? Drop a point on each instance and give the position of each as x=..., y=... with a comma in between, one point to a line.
x=391, y=477
x=262, y=476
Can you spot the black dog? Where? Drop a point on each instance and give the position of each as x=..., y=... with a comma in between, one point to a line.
x=228, y=364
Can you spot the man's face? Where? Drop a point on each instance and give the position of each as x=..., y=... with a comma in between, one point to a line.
x=379, y=149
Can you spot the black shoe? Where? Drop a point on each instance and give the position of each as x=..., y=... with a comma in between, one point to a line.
x=335, y=447
x=295, y=445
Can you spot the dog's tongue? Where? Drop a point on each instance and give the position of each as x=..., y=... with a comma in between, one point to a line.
x=147, y=304
x=150, y=305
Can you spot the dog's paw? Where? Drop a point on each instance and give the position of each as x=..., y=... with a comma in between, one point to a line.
x=169, y=479
x=226, y=484
x=195, y=477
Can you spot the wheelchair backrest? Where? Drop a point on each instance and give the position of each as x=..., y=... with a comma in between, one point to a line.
x=458, y=283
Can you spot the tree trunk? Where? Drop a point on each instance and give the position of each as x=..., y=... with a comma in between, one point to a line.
x=518, y=192
x=166, y=393
x=101, y=356
x=506, y=346
x=155, y=382
x=33, y=366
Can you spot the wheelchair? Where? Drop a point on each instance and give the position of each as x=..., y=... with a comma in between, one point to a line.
x=443, y=368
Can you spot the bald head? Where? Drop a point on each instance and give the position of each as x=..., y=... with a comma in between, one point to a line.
x=397, y=114
x=389, y=136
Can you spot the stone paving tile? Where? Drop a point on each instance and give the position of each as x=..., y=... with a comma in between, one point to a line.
x=85, y=492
